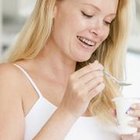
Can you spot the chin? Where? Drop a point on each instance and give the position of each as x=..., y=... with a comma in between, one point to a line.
x=82, y=59
x=80, y=55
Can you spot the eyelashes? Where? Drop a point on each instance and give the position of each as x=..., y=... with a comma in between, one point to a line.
x=107, y=23
x=86, y=15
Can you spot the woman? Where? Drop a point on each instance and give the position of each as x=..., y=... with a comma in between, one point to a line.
x=53, y=84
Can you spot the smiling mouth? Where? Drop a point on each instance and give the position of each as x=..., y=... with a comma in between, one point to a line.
x=86, y=41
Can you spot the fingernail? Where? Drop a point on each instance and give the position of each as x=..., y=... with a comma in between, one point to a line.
x=129, y=112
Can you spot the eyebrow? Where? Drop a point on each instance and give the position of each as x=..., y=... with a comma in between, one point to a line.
x=95, y=7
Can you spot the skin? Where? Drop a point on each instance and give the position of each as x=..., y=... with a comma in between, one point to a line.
x=134, y=111
x=94, y=28
x=53, y=70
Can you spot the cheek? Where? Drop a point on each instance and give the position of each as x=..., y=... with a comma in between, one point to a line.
x=74, y=21
x=75, y=24
x=106, y=34
x=65, y=25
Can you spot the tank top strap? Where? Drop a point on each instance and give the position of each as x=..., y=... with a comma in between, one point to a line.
x=30, y=79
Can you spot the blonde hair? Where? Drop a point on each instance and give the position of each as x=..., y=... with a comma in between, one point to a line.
x=111, y=53
x=35, y=33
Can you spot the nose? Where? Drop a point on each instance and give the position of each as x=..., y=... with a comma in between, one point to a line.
x=97, y=29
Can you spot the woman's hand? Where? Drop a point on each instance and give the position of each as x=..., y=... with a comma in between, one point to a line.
x=83, y=85
x=134, y=112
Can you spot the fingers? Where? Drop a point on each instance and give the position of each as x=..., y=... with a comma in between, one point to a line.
x=91, y=88
x=92, y=76
x=93, y=80
x=94, y=92
x=94, y=83
x=96, y=66
x=134, y=110
x=134, y=113
x=135, y=123
x=136, y=136
x=136, y=106
x=127, y=137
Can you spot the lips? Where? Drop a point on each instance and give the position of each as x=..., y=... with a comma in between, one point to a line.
x=86, y=41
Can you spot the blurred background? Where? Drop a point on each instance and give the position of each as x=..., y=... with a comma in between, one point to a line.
x=13, y=14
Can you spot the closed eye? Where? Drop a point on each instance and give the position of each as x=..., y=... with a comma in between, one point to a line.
x=86, y=15
x=107, y=23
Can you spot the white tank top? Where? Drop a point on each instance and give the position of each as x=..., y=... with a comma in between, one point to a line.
x=85, y=128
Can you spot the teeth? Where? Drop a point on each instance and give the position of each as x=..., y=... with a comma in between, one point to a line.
x=86, y=41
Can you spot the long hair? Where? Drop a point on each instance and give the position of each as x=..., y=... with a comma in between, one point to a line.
x=111, y=53
x=35, y=32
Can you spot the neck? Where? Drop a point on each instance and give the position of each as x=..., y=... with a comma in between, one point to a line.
x=55, y=64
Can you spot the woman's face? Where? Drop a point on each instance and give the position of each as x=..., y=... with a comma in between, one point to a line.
x=80, y=26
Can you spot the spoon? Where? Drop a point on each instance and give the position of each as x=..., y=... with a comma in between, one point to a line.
x=120, y=82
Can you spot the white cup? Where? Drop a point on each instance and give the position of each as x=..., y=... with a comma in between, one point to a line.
x=123, y=104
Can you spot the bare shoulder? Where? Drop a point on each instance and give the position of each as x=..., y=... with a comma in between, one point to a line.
x=10, y=80
x=8, y=72
x=7, y=69
x=12, y=116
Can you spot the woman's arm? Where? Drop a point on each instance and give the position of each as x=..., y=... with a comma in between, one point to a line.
x=11, y=113
x=82, y=86
x=12, y=116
